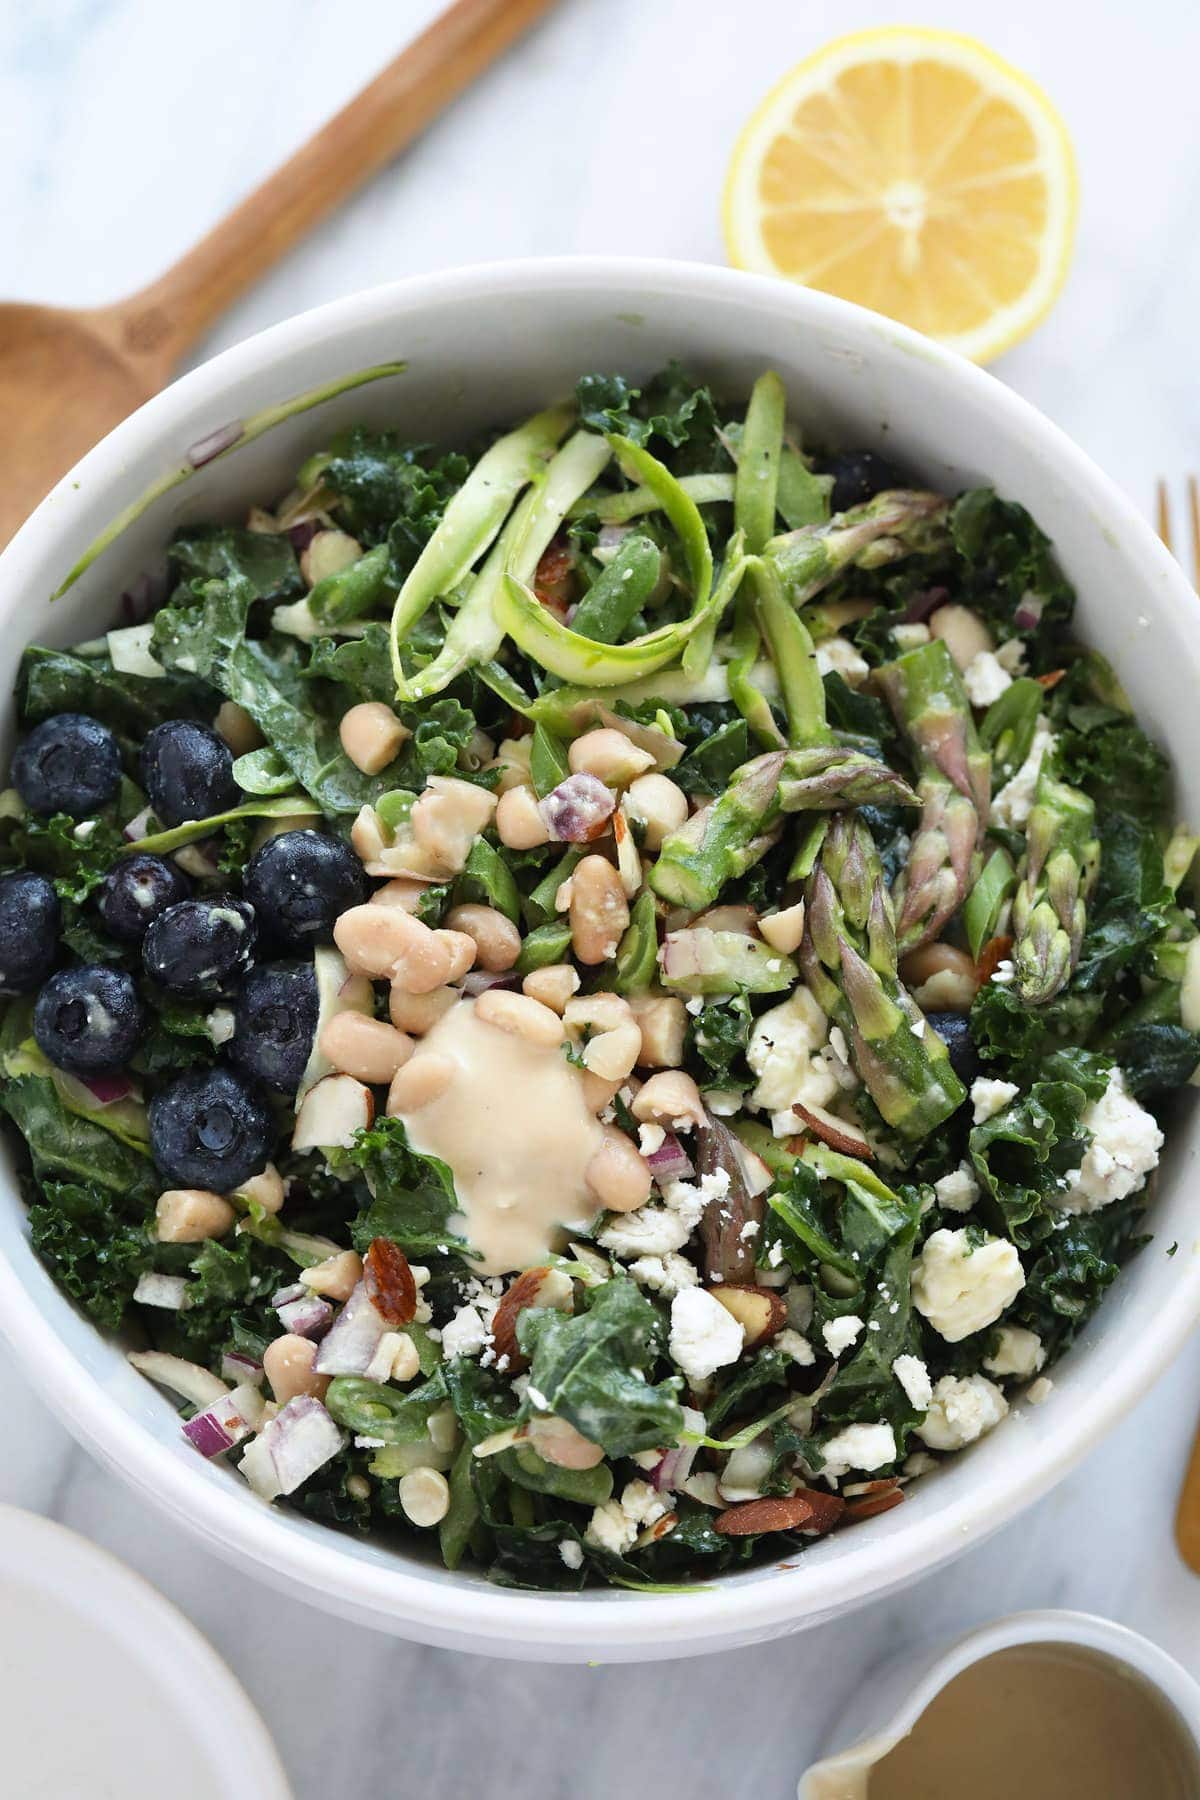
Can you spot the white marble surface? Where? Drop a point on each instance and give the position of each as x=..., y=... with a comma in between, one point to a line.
x=126, y=127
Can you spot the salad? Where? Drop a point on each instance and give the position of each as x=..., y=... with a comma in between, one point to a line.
x=599, y=1000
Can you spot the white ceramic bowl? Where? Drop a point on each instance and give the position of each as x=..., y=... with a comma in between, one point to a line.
x=483, y=346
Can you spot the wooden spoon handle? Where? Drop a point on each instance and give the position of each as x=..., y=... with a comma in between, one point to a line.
x=1187, y=1513
x=158, y=324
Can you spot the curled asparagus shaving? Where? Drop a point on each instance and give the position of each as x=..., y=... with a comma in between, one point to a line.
x=849, y=960
x=900, y=522
x=925, y=692
x=729, y=836
x=1062, y=858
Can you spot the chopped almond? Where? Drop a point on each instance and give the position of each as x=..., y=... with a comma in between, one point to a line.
x=520, y=1293
x=994, y=952
x=888, y=1494
x=391, y=1287
x=828, y=1511
x=761, y=1312
x=837, y=1133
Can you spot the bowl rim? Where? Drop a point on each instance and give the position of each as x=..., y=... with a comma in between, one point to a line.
x=473, y=1614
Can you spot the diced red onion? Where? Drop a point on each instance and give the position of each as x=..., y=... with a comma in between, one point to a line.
x=1028, y=615
x=212, y=444
x=478, y=981
x=169, y=1291
x=143, y=598
x=676, y=1464
x=352, y=1339
x=298, y=1441
x=578, y=809
x=283, y=1296
x=225, y=1422
x=924, y=603
x=106, y=1090
x=308, y=1318
x=670, y=1162
x=609, y=540
x=140, y=825
x=242, y=1370
x=187, y=1379
x=302, y=535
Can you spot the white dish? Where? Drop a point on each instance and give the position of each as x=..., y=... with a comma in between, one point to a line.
x=107, y=1690
x=483, y=346
x=889, y=1704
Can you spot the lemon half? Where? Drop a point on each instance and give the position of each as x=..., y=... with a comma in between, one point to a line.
x=917, y=173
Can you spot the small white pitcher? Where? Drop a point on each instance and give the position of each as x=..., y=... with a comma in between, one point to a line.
x=887, y=1708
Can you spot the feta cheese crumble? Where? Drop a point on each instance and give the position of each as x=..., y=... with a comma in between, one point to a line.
x=990, y=1097
x=864, y=1447
x=666, y=1275
x=1018, y=1352
x=960, y=1287
x=1125, y=1144
x=837, y=655
x=571, y=1553
x=704, y=1336
x=958, y=1191
x=913, y=1377
x=465, y=1334
x=839, y=1334
x=1012, y=806
x=962, y=1409
x=792, y=1344
x=985, y=678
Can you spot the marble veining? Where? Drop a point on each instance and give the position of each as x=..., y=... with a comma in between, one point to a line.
x=126, y=128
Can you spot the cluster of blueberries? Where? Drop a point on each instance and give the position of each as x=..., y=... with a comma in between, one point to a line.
x=209, y=1128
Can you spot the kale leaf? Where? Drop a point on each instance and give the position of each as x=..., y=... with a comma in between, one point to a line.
x=56, y=681
x=1006, y=558
x=413, y=1195
x=267, y=561
x=671, y=408
x=89, y=1248
x=388, y=488
x=718, y=1035
x=589, y=1369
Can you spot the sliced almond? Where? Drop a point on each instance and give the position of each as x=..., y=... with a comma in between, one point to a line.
x=759, y=1311
x=660, y=1529
x=889, y=1494
x=837, y=1133
x=389, y=1282
x=782, y=1513
x=331, y=1113
x=994, y=952
x=827, y=1511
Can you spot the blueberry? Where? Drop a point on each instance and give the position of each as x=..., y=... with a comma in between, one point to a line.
x=187, y=772
x=67, y=764
x=135, y=892
x=209, y=1130
x=200, y=946
x=275, y=1021
x=299, y=883
x=88, y=1019
x=954, y=1029
x=859, y=475
x=29, y=921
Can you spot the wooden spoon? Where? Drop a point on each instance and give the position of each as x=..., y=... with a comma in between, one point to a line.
x=67, y=377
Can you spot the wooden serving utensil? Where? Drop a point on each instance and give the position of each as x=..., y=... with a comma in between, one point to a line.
x=67, y=377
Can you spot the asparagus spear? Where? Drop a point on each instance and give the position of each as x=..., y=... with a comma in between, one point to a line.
x=849, y=960
x=926, y=694
x=1062, y=858
x=899, y=522
x=725, y=839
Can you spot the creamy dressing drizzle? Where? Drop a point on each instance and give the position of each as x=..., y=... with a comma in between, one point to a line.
x=1037, y=1722
x=515, y=1130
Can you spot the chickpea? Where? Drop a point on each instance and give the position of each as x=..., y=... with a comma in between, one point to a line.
x=336, y=1277
x=522, y=1016
x=288, y=1366
x=512, y=760
x=368, y=1049
x=386, y=941
x=553, y=985
x=328, y=553
x=371, y=735
x=448, y=817
x=658, y=805
x=419, y=1013
x=962, y=631
x=617, y=1175
x=497, y=940
x=557, y=1441
x=463, y=951
x=265, y=1190
x=941, y=977
x=519, y=821
x=662, y=1021
x=189, y=1215
x=419, y=1083
x=670, y=1098
x=612, y=1049
x=402, y=892
x=608, y=755
x=599, y=910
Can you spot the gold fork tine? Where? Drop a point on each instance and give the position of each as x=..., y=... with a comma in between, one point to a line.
x=1163, y=513
x=1193, y=494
